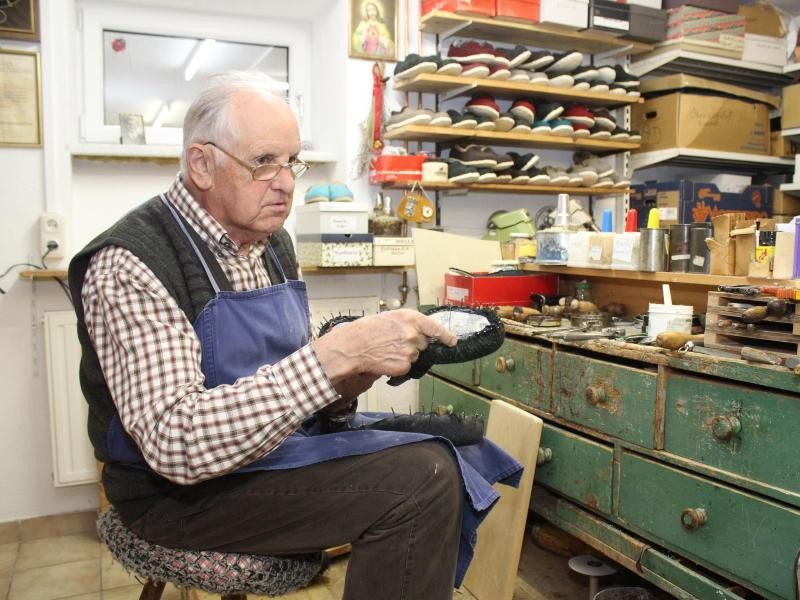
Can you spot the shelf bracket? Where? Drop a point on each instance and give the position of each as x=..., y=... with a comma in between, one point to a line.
x=454, y=30
x=458, y=91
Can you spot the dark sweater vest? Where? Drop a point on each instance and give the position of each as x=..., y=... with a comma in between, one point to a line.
x=151, y=233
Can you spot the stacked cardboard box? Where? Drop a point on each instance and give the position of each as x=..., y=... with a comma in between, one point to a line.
x=707, y=31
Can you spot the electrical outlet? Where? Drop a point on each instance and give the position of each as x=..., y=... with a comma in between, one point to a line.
x=52, y=235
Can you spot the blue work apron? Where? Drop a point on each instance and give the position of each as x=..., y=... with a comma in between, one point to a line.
x=242, y=331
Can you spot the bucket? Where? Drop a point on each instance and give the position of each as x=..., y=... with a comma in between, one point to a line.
x=624, y=593
x=669, y=317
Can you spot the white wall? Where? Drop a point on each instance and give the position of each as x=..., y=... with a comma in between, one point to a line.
x=92, y=194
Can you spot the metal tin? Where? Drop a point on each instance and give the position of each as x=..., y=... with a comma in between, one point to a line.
x=653, y=250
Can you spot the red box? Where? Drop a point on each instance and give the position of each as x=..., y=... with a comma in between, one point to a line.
x=390, y=168
x=518, y=10
x=482, y=289
x=484, y=8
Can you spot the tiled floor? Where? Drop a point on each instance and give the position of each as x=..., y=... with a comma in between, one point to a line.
x=76, y=566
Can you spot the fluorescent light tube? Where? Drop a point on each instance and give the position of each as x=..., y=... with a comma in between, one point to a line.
x=198, y=56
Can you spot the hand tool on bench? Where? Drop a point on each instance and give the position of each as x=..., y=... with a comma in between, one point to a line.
x=692, y=347
x=611, y=332
x=673, y=340
x=793, y=363
x=759, y=356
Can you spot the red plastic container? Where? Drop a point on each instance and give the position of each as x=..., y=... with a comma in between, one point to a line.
x=482, y=289
x=483, y=8
x=390, y=168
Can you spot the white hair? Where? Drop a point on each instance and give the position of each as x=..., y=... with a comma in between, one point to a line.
x=208, y=118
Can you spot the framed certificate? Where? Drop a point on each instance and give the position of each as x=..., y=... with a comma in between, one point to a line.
x=20, y=99
x=19, y=19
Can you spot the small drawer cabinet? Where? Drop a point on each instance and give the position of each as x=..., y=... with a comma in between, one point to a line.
x=684, y=469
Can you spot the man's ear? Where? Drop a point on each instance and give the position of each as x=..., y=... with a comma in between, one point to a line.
x=200, y=165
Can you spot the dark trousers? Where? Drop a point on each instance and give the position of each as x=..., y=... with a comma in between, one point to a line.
x=400, y=508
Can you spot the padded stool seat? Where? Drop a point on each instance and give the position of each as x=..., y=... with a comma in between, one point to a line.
x=226, y=573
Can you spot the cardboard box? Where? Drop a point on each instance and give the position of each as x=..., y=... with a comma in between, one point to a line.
x=783, y=266
x=790, y=116
x=689, y=83
x=785, y=204
x=609, y=16
x=645, y=3
x=335, y=250
x=482, y=289
x=780, y=146
x=763, y=49
x=705, y=122
x=332, y=217
x=728, y=6
x=647, y=24
x=745, y=242
x=518, y=10
x=566, y=14
x=388, y=168
x=691, y=202
x=722, y=247
x=392, y=252
x=762, y=19
x=484, y=8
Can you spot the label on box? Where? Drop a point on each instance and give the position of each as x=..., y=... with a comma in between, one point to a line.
x=668, y=213
x=595, y=252
x=623, y=249
x=343, y=223
x=608, y=23
x=458, y=294
x=346, y=253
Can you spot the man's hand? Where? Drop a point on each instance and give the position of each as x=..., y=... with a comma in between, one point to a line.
x=383, y=344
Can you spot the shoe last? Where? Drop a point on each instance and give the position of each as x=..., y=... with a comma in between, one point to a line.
x=339, y=192
x=319, y=192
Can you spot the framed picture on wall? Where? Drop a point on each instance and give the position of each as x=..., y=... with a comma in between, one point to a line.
x=373, y=29
x=20, y=99
x=19, y=19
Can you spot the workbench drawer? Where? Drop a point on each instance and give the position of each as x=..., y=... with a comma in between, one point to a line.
x=745, y=430
x=434, y=392
x=745, y=537
x=520, y=371
x=576, y=467
x=615, y=399
x=463, y=373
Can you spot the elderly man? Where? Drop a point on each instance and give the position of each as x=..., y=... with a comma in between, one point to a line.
x=199, y=370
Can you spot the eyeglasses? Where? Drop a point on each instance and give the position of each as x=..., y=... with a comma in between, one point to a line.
x=267, y=171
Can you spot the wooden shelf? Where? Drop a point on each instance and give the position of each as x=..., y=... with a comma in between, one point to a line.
x=543, y=36
x=792, y=134
x=505, y=90
x=425, y=133
x=43, y=274
x=792, y=189
x=315, y=270
x=508, y=188
x=699, y=279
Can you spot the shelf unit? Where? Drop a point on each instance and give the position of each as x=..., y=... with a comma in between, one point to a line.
x=676, y=60
x=693, y=157
x=792, y=134
x=38, y=274
x=450, y=86
x=426, y=133
x=32, y=274
x=446, y=24
x=793, y=189
x=508, y=188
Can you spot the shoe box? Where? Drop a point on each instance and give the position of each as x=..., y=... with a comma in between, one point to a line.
x=567, y=14
x=335, y=250
x=480, y=289
x=706, y=30
x=707, y=122
x=518, y=10
x=332, y=218
x=388, y=168
x=790, y=114
x=728, y=6
x=392, y=251
x=609, y=16
x=647, y=24
x=683, y=201
x=483, y=8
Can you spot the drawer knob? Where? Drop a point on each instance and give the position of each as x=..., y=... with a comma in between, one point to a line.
x=724, y=427
x=544, y=455
x=504, y=365
x=596, y=394
x=693, y=519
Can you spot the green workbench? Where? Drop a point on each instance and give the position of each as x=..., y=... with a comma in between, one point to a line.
x=683, y=468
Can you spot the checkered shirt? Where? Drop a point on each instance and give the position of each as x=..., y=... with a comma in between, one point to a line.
x=150, y=356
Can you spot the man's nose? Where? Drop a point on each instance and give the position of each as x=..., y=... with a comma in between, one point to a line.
x=284, y=180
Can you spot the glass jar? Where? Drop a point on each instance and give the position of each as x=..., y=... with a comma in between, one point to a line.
x=583, y=291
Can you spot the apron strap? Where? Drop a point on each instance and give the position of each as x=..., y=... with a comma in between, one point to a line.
x=277, y=263
x=199, y=254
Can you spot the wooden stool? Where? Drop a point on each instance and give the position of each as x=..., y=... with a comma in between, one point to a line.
x=229, y=574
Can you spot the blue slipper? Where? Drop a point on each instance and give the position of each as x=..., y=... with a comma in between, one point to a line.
x=319, y=192
x=339, y=192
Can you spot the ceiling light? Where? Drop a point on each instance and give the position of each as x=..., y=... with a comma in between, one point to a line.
x=161, y=116
x=197, y=58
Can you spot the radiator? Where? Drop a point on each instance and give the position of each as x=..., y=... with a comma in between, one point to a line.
x=73, y=455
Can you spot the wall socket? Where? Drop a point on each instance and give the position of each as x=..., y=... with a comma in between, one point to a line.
x=52, y=230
